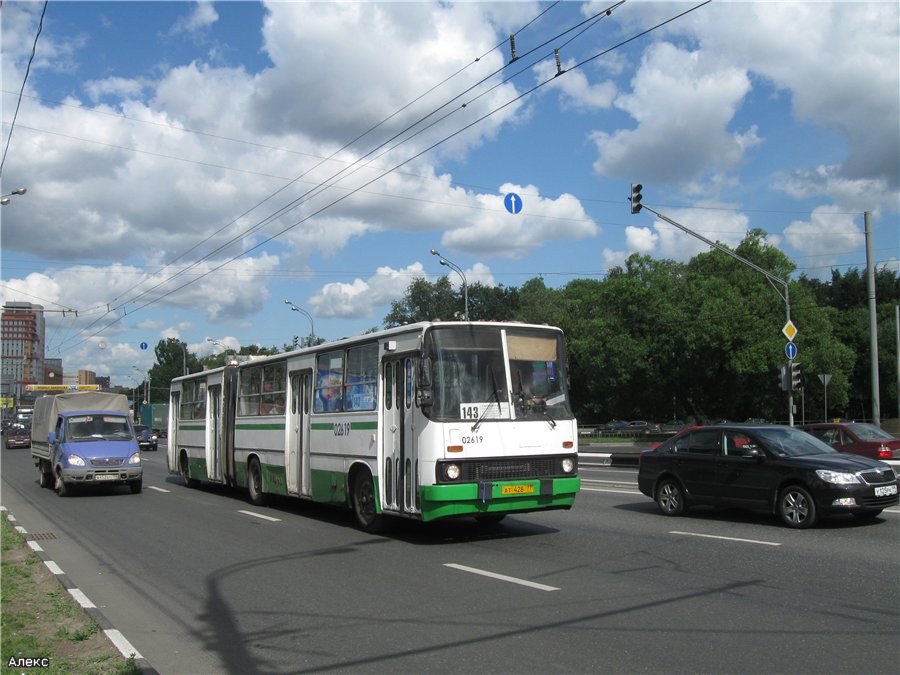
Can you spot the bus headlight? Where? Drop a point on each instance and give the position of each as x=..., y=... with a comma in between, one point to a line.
x=451, y=471
x=568, y=465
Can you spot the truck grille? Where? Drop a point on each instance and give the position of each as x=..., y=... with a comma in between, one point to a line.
x=107, y=461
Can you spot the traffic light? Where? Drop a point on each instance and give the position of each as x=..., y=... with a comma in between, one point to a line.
x=796, y=376
x=296, y=341
x=785, y=377
x=636, y=197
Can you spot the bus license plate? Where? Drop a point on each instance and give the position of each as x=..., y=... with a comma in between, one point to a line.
x=886, y=491
x=517, y=490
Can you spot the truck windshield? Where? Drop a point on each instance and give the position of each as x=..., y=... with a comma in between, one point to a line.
x=493, y=373
x=93, y=427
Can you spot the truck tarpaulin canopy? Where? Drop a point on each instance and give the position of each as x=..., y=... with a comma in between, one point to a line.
x=46, y=408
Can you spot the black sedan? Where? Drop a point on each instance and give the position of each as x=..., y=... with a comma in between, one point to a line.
x=145, y=437
x=778, y=469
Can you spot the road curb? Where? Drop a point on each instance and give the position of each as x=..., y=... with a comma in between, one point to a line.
x=126, y=649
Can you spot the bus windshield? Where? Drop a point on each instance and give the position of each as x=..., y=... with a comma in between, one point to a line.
x=473, y=379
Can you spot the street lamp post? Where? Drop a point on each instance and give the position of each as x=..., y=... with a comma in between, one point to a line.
x=146, y=383
x=224, y=347
x=4, y=200
x=462, y=276
x=773, y=280
x=312, y=327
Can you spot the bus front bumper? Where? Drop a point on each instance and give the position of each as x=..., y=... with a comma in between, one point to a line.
x=441, y=501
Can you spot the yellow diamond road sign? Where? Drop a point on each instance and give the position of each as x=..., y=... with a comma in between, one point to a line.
x=789, y=330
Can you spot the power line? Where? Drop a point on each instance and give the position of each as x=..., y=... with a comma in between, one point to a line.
x=22, y=89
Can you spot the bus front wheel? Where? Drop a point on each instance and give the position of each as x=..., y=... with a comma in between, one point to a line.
x=364, y=507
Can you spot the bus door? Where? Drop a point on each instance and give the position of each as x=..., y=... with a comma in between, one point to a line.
x=297, y=460
x=399, y=469
x=172, y=440
x=215, y=445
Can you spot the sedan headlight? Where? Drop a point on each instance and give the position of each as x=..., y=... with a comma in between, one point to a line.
x=135, y=458
x=837, y=477
x=74, y=460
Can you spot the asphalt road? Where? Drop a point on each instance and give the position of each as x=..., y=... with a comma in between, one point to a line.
x=200, y=581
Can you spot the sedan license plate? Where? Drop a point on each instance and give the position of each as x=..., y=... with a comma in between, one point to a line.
x=517, y=490
x=886, y=491
x=106, y=476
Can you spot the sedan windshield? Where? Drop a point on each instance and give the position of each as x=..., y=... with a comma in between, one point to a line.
x=790, y=442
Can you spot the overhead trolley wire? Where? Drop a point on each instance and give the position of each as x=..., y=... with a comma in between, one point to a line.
x=386, y=172
x=292, y=204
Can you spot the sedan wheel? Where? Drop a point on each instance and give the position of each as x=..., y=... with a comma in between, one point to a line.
x=670, y=498
x=796, y=507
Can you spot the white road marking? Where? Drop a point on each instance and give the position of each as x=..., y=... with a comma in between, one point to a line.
x=502, y=577
x=158, y=489
x=123, y=645
x=81, y=598
x=713, y=536
x=53, y=567
x=259, y=515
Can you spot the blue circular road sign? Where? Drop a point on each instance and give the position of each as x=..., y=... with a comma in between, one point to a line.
x=790, y=350
x=144, y=345
x=513, y=203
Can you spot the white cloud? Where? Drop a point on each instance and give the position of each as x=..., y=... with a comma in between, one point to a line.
x=203, y=16
x=824, y=237
x=358, y=298
x=686, y=138
x=575, y=91
x=494, y=232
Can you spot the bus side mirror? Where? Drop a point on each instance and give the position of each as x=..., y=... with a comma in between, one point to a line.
x=424, y=398
x=423, y=373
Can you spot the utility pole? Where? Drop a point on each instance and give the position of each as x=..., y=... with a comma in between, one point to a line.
x=873, y=322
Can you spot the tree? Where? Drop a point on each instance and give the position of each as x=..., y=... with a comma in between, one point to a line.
x=424, y=301
x=172, y=357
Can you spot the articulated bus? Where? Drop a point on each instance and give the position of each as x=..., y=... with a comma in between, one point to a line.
x=424, y=421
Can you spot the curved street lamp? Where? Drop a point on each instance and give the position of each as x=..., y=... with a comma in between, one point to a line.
x=4, y=200
x=465, y=283
x=312, y=327
x=224, y=347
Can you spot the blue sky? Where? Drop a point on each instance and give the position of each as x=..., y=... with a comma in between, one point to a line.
x=169, y=150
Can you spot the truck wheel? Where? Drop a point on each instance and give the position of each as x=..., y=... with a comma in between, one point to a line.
x=62, y=489
x=45, y=476
x=136, y=486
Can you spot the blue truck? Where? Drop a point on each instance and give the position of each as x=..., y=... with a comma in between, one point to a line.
x=85, y=438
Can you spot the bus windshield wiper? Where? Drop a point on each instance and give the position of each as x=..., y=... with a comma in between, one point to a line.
x=488, y=407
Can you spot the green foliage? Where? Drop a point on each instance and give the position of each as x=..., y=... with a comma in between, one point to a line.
x=658, y=338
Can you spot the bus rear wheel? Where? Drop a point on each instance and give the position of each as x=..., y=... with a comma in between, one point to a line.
x=254, y=483
x=364, y=507
x=185, y=472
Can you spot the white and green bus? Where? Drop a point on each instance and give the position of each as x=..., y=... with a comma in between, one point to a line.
x=423, y=421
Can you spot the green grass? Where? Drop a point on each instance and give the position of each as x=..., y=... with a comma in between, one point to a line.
x=41, y=620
